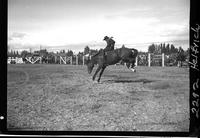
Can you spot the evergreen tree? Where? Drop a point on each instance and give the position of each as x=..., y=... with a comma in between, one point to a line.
x=173, y=49
x=69, y=53
x=167, y=49
x=24, y=53
x=187, y=53
x=17, y=53
x=14, y=53
x=159, y=48
x=62, y=51
x=11, y=52
x=180, y=50
x=181, y=56
x=86, y=50
x=152, y=48
x=163, y=48
x=8, y=53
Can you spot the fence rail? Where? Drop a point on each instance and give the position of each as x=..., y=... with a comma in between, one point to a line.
x=147, y=59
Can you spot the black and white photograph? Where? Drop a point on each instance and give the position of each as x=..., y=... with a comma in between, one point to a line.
x=98, y=65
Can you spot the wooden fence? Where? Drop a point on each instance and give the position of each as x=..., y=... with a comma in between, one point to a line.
x=149, y=59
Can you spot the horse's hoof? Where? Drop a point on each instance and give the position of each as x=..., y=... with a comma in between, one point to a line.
x=95, y=82
x=134, y=70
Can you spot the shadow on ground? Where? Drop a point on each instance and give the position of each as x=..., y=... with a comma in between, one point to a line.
x=130, y=81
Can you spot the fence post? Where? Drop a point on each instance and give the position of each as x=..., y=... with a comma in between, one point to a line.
x=55, y=59
x=83, y=60
x=40, y=60
x=149, y=59
x=163, y=59
x=47, y=60
x=136, y=61
x=76, y=60
x=71, y=60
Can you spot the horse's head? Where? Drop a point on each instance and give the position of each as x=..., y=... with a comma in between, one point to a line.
x=90, y=66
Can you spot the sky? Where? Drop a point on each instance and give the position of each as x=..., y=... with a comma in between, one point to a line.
x=74, y=24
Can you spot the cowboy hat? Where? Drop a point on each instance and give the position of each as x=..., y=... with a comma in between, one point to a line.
x=106, y=37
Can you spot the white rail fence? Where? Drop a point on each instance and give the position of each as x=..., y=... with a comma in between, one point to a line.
x=65, y=60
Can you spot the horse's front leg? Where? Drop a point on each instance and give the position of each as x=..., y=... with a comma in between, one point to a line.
x=103, y=68
x=98, y=69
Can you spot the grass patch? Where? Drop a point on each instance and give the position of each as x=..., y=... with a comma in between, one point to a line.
x=16, y=77
x=160, y=85
x=62, y=97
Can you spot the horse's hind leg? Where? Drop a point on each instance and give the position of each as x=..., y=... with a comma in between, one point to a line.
x=103, y=68
x=128, y=64
x=133, y=66
x=133, y=69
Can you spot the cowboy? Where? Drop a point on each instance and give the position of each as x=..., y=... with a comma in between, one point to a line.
x=110, y=43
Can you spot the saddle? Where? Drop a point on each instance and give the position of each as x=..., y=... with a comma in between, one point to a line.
x=105, y=54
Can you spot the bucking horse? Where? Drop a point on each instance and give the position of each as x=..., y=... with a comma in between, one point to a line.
x=104, y=59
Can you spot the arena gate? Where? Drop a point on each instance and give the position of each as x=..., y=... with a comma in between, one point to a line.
x=156, y=59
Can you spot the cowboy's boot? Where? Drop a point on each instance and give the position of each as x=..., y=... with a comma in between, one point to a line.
x=104, y=55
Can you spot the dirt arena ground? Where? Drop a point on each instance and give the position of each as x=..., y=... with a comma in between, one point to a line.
x=64, y=98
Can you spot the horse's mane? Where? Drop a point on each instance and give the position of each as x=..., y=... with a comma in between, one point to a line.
x=97, y=53
x=101, y=50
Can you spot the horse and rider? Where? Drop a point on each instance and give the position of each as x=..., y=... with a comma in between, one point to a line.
x=111, y=56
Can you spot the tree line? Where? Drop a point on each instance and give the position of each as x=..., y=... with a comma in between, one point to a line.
x=177, y=54
x=165, y=48
x=16, y=53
